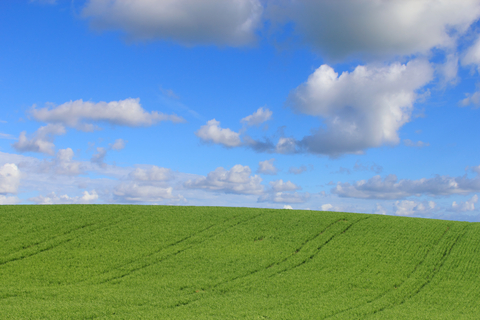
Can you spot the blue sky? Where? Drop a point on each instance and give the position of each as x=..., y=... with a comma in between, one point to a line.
x=361, y=106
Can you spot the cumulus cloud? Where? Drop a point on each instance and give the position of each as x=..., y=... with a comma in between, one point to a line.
x=411, y=207
x=267, y=167
x=82, y=115
x=286, y=146
x=63, y=163
x=284, y=197
x=9, y=178
x=41, y=141
x=52, y=198
x=236, y=180
x=468, y=205
x=8, y=200
x=279, y=185
x=287, y=206
x=378, y=28
x=418, y=144
x=361, y=109
x=153, y=173
x=212, y=132
x=133, y=192
x=392, y=188
x=258, y=117
x=189, y=22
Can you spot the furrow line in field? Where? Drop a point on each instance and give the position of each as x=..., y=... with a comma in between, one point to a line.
x=317, y=251
x=282, y=261
x=49, y=246
x=400, y=286
x=440, y=264
x=178, y=251
x=278, y=262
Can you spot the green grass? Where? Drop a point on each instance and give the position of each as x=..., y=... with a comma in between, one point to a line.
x=158, y=262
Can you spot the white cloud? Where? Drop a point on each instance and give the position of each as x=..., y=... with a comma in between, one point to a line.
x=64, y=165
x=52, y=198
x=189, y=22
x=41, y=141
x=152, y=173
x=267, y=167
x=468, y=205
x=418, y=144
x=471, y=99
x=298, y=170
x=279, y=185
x=411, y=207
x=212, y=132
x=118, y=145
x=236, y=180
x=286, y=146
x=8, y=200
x=287, y=206
x=81, y=115
x=379, y=28
x=379, y=209
x=472, y=54
x=284, y=197
x=9, y=178
x=449, y=70
x=392, y=188
x=361, y=109
x=133, y=192
x=258, y=117
x=326, y=207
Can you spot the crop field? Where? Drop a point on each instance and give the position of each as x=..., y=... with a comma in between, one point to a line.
x=160, y=262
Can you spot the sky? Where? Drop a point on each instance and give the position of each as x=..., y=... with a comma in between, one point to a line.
x=351, y=105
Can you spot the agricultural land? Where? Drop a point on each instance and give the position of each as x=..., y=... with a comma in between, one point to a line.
x=162, y=262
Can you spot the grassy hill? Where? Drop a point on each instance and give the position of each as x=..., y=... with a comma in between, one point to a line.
x=157, y=262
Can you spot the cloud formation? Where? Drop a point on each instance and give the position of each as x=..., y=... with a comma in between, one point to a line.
x=361, y=109
x=82, y=115
x=52, y=198
x=152, y=173
x=411, y=207
x=133, y=192
x=392, y=188
x=237, y=180
x=284, y=197
x=212, y=132
x=189, y=22
x=41, y=141
x=468, y=205
x=267, y=167
x=279, y=185
x=9, y=178
x=258, y=117
x=377, y=28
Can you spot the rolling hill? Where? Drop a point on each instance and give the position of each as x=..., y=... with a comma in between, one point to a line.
x=161, y=262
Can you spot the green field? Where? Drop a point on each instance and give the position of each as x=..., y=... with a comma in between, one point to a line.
x=159, y=262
